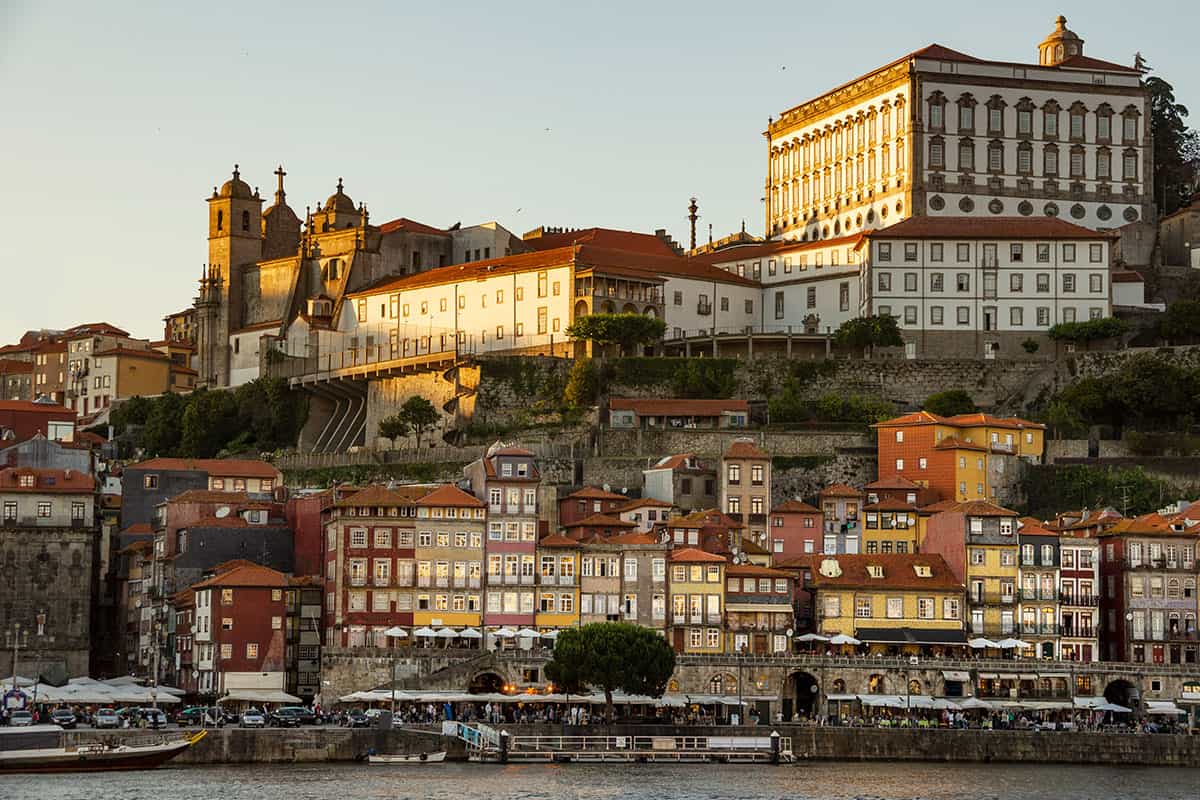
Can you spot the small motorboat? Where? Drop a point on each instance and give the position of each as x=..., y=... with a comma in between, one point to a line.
x=41, y=748
x=407, y=758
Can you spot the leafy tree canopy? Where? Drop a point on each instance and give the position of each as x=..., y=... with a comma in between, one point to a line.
x=1089, y=331
x=950, y=403
x=419, y=414
x=1176, y=147
x=869, y=332
x=393, y=428
x=628, y=331
x=1181, y=322
x=612, y=656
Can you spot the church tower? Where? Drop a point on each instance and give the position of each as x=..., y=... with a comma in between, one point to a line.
x=235, y=232
x=280, y=225
x=1060, y=45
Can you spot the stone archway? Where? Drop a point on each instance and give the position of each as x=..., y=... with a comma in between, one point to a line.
x=629, y=308
x=1122, y=693
x=486, y=683
x=802, y=695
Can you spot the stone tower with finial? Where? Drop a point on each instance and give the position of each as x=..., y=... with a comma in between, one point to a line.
x=693, y=208
x=1060, y=45
x=280, y=225
x=235, y=230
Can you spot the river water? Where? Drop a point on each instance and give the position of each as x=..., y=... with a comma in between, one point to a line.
x=813, y=781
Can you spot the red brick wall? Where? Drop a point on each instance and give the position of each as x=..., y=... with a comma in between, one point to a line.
x=569, y=511
x=794, y=534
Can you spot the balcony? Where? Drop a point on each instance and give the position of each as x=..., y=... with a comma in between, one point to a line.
x=991, y=599
x=566, y=580
x=442, y=581
x=696, y=619
x=1073, y=632
x=1041, y=629
x=494, y=509
x=704, y=309
x=381, y=580
x=527, y=580
x=460, y=582
x=713, y=619
x=473, y=583
x=424, y=581
x=358, y=580
x=1039, y=594
x=1080, y=600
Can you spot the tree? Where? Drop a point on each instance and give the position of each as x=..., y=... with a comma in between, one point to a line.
x=1176, y=147
x=627, y=331
x=419, y=414
x=950, y=403
x=611, y=656
x=867, y=333
x=163, y=428
x=1090, y=331
x=393, y=428
x=583, y=384
x=210, y=421
x=1181, y=322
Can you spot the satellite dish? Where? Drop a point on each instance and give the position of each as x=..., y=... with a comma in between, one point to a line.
x=222, y=512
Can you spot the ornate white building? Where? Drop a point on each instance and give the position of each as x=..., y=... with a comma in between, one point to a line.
x=939, y=132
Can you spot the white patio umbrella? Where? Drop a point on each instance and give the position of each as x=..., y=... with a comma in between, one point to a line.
x=504, y=633
x=942, y=704
x=1114, y=708
x=812, y=637
x=844, y=638
x=1012, y=644
x=528, y=633
x=470, y=633
x=974, y=702
x=396, y=632
x=981, y=643
x=425, y=633
x=447, y=633
x=550, y=635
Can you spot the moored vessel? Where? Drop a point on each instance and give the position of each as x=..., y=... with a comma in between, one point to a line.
x=41, y=748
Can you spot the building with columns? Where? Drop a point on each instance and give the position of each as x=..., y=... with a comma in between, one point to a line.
x=939, y=132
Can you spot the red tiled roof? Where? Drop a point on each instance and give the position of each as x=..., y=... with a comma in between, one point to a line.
x=381, y=496
x=231, y=521
x=794, y=507
x=915, y=418
x=29, y=405
x=979, y=419
x=215, y=467
x=412, y=226
x=745, y=448
x=749, y=252
x=600, y=521
x=9, y=366
x=634, y=538
x=244, y=574
x=1032, y=526
x=450, y=495
x=594, y=493
x=1087, y=62
x=982, y=508
x=93, y=329
x=630, y=241
x=755, y=571
x=261, y=326
x=890, y=505
x=675, y=461
x=895, y=482
x=511, y=450
x=1127, y=276
x=985, y=228
x=898, y=571
x=654, y=407
x=938, y=507
x=693, y=555
x=554, y=540
x=839, y=490
x=206, y=496
x=954, y=443
x=47, y=481
x=642, y=502
x=139, y=528
x=129, y=352
x=1152, y=524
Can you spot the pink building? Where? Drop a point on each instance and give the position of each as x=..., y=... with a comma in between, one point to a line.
x=795, y=530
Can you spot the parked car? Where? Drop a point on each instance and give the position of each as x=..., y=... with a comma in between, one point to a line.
x=200, y=715
x=356, y=719
x=106, y=718
x=286, y=717
x=20, y=718
x=227, y=716
x=306, y=715
x=64, y=718
x=152, y=718
x=253, y=718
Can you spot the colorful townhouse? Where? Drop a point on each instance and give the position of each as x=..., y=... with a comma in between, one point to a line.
x=978, y=540
x=759, y=615
x=964, y=457
x=840, y=507
x=449, y=556
x=796, y=529
x=1038, y=606
x=645, y=513
x=697, y=588
x=507, y=480
x=586, y=502
x=746, y=487
x=889, y=526
x=898, y=603
x=558, y=583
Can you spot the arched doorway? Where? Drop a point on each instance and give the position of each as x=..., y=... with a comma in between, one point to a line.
x=609, y=307
x=802, y=695
x=629, y=308
x=486, y=683
x=1122, y=693
x=581, y=309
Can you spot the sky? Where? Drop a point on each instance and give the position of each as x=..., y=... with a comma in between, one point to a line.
x=118, y=118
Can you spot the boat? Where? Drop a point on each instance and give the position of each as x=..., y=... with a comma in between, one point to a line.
x=41, y=748
x=407, y=758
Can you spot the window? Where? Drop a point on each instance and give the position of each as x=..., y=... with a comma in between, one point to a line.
x=1016, y=282
x=1025, y=158
x=1068, y=282
x=910, y=281
x=995, y=157
x=148, y=481
x=779, y=305
x=966, y=115
x=935, y=315
x=1096, y=283
x=1129, y=171
x=810, y=297
x=1016, y=316
x=1050, y=160
x=936, y=281
x=910, y=315
x=1050, y=122
x=966, y=155
x=1129, y=127
x=962, y=282
x=885, y=251
x=885, y=281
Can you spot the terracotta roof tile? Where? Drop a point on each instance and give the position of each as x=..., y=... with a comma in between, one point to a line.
x=894, y=482
x=986, y=228
x=887, y=504
x=899, y=572
x=982, y=508
x=677, y=461
x=634, y=538
x=755, y=571
x=839, y=490
x=594, y=493
x=554, y=540
x=745, y=448
x=642, y=502
x=412, y=226
x=47, y=481
x=206, y=496
x=601, y=521
x=693, y=555
x=246, y=575
x=631, y=241
x=955, y=443
x=450, y=495
x=794, y=507
x=381, y=496
x=215, y=467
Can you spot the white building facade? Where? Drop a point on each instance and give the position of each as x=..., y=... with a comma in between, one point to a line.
x=942, y=133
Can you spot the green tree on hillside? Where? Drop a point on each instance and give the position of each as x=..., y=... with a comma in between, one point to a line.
x=949, y=403
x=611, y=656
x=393, y=428
x=1176, y=147
x=867, y=333
x=419, y=414
x=627, y=331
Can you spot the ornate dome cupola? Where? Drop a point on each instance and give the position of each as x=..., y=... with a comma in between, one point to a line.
x=235, y=187
x=1060, y=45
x=280, y=225
x=337, y=212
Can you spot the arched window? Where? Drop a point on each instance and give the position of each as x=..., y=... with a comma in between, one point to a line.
x=966, y=155
x=1024, y=158
x=839, y=686
x=937, y=153
x=1050, y=120
x=995, y=118
x=1104, y=114
x=245, y=220
x=220, y=220
x=1129, y=165
x=914, y=686
x=1078, y=122
x=996, y=156
x=1103, y=164
x=1025, y=117
x=875, y=684
x=1050, y=161
x=966, y=114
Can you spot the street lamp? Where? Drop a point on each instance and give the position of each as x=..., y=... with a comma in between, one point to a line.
x=16, y=638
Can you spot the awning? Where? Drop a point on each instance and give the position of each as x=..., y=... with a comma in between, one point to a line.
x=882, y=700
x=1028, y=676
x=259, y=696
x=911, y=636
x=841, y=698
x=956, y=676
x=1164, y=707
x=1062, y=675
x=988, y=676
x=1046, y=705
x=1009, y=676
x=1190, y=698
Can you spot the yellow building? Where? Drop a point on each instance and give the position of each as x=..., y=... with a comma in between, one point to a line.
x=979, y=541
x=449, y=559
x=697, y=590
x=558, y=583
x=889, y=526
x=890, y=602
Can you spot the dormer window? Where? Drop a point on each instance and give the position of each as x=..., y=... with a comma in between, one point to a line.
x=875, y=570
x=922, y=571
x=26, y=481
